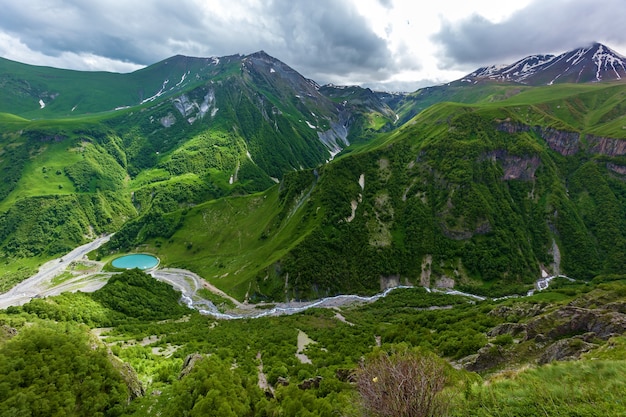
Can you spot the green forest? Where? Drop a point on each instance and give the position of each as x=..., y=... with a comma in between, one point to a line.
x=131, y=349
x=259, y=189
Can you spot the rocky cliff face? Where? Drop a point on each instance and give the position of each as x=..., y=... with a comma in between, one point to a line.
x=606, y=146
x=618, y=169
x=130, y=377
x=560, y=334
x=515, y=167
x=568, y=143
x=564, y=142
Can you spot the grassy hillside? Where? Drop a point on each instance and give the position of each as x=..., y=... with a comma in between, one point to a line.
x=583, y=105
x=559, y=352
x=195, y=130
x=484, y=198
x=229, y=241
x=66, y=93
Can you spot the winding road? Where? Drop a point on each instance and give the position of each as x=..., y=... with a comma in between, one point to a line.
x=40, y=284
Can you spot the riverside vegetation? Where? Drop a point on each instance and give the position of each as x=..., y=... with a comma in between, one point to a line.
x=136, y=351
x=224, y=173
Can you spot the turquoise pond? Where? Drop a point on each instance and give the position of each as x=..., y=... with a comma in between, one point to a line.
x=137, y=260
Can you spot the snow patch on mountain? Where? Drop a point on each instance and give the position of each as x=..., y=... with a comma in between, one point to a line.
x=182, y=79
x=605, y=59
x=193, y=110
x=592, y=63
x=158, y=94
x=517, y=71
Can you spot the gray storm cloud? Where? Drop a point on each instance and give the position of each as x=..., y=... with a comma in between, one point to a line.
x=324, y=39
x=541, y=27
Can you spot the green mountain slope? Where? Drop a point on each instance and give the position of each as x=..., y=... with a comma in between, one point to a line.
x=135, y=351
x=43, y=92
x=486, y=198
x=186, y=130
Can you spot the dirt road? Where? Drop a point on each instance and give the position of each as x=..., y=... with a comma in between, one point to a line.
x=40, y=284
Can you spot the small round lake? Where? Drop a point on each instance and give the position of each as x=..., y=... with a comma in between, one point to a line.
x=137, y=260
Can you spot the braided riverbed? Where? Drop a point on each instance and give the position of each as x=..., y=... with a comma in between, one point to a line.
x=189, y=284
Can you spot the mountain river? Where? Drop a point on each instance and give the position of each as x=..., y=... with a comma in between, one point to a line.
x=188, y=283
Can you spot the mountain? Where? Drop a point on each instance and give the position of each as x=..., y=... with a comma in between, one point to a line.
x=275, y=189
x=483, y=197
x=32, y=91
x=593, y=63
x=84, y=152
x=230, y=167
x=596, y=63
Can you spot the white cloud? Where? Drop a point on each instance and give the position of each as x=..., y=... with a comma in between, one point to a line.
x=14, y=49
x=541, y=27
x=368, y=42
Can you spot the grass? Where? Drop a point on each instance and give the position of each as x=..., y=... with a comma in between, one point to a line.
x=590, y=108
x=149, y=176
x=580, y=388
x=221, y=303
x=61, y=278
x=222, y=240
x=15, y=271
x=79, y=266
x=376, y=121
x=44, y=174
x=613, y=350
x=550, y=93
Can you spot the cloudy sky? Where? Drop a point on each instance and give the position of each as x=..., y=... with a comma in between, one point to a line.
x=397, y=45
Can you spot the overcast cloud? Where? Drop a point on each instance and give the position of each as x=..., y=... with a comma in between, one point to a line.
x=552, y=26
x=385, y=44
x=325, y=38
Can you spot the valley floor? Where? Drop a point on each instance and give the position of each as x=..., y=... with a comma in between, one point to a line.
x=74, y=272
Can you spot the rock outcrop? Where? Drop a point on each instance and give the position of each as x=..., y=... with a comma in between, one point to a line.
x=569, y=320
x=489, y=356
x=7, y=332
x=618, y=169
x=606, y=146
x=189, y=363
x=132, y=381
x=560, y=334
x=566, y=349
x=515, y=167
x=135, y=387
x=310, y=383
x=562, y=141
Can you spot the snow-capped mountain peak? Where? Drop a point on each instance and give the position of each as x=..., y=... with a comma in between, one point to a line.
x=513, y=72
x=592, y=63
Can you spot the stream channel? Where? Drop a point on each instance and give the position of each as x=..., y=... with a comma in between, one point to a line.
x=188, y=283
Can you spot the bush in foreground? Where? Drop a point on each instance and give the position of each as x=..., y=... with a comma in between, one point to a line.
x=404, y=383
